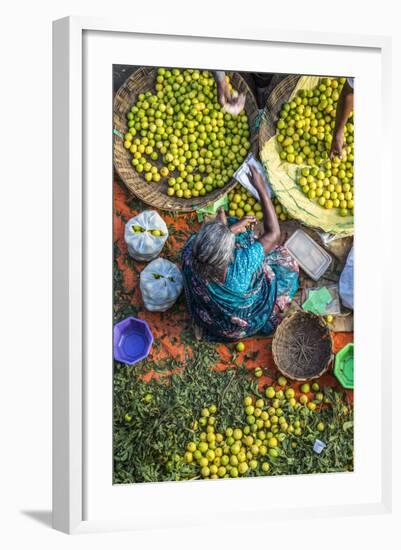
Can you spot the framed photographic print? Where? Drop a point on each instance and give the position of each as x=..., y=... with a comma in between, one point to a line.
x=213, y=198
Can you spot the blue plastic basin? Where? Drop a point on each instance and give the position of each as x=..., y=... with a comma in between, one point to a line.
x=132, y=340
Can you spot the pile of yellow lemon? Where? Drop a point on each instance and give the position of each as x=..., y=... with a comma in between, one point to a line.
x=243, y=203
x=238, y=450
x=181, y=134
x=331, y=185
x=305, y=132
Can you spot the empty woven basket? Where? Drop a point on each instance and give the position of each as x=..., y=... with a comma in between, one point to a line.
x=302, y=347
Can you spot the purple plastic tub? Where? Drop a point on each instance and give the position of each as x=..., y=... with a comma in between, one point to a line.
x=132, y=340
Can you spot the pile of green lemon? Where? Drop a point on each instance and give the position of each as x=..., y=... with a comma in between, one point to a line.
x=243, y=203
x=181, y=134
x=332, y=185
x=238, y=450
x=305, y=132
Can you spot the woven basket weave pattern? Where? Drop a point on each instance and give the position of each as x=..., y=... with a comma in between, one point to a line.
x=287, y=355
x=279, y=95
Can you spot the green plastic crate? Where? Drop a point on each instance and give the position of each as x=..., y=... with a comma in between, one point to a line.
x=344, y=366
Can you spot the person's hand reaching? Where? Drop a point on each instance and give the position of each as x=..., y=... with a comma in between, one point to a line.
x=337, y=145
x=231, y=103
x=221, y=216
x=257, y=179
x=242, y=225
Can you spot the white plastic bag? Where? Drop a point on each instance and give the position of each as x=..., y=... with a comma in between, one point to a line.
x=346, y=285
x=145, y=235
x=161, y=284
x=243, y=176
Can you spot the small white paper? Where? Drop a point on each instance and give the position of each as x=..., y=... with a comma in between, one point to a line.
x=318, y=446
x=243, y=175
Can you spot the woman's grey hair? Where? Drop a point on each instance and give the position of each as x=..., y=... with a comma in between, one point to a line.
x=212, y=250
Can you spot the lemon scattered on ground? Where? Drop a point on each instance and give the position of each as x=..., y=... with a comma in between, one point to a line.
x=282, y=381
x=270, y=392
x=240, y=346
x=269, y=429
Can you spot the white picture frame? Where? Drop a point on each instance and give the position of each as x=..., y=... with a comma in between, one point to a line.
x=70, y=250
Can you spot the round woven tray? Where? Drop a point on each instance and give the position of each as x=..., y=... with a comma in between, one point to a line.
x=155, y=194
x=302, y=346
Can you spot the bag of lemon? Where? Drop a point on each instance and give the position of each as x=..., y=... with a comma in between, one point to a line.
x=145, y=235
x=160, y=283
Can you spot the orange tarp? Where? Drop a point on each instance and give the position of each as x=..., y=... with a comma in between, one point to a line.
x=167, y=328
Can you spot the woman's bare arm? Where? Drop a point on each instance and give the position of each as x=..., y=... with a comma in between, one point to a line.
x=344, y=109
x=271, y=234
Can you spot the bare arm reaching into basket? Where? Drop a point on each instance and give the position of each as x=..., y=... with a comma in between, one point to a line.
x=344, y=109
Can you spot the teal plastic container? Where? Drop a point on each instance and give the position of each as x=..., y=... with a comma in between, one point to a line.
x=344, y=367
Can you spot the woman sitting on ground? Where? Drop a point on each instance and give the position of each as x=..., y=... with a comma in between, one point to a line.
x=237, y=285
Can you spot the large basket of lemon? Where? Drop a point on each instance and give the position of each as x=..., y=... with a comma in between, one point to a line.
x=174, y=146
x=295, y=139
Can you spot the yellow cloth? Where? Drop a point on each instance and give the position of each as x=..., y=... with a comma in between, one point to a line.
x=283, y=177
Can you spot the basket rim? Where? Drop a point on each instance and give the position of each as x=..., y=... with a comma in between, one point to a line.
x=268, y=116
x=282, y=327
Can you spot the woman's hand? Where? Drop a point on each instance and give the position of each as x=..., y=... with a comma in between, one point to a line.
x=230, y=103
x=242, y=225
x=223, y=92
x=221, y=216
x=257, y=180
x=271, y=234
x=337, y=145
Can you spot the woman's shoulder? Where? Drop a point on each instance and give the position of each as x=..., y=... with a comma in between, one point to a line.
x=249, y=245
x=249, y=255
x=187, y=248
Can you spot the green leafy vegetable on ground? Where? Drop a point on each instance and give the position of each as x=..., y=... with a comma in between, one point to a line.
x=154, y=422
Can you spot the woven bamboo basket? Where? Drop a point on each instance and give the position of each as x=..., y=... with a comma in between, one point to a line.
x=279, y=95
x=155, y=194
x=302, y=346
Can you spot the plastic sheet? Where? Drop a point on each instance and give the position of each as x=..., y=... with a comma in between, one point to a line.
x=144, y=246
x=346, y=284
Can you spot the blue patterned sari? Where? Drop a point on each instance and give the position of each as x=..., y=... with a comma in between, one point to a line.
x=256, y=289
